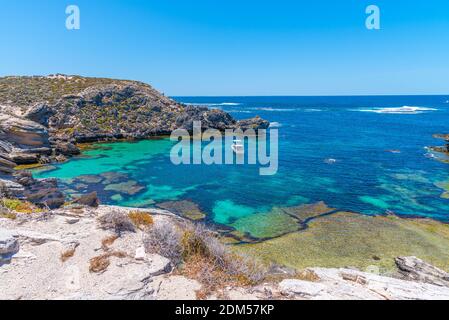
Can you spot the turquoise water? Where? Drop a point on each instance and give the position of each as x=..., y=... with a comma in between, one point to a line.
x=362, y=154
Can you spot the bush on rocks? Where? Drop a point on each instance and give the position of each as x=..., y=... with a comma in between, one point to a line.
x=116, y=221
x=199, y=254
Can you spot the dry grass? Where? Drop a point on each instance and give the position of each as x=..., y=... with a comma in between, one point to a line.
x=116, y=221
x=201, y=256
x=66, y=255
x=141, y=220
x=165, y=240
x=8, y=215
x=107, y=242
x=101, y=263
x=308, y=275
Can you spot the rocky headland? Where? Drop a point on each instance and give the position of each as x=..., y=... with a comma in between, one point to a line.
x=43, y=119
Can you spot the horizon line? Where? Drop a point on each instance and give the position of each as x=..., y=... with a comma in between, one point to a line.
x=305, y=96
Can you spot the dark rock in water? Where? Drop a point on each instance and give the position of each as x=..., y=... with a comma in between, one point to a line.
x=442, y=149
x=44, y=193
x=130, y=187
x=67, y=149
x=112, y=177
x=183, y=208
x=414, y=269
x=90, y=200
x=255, y=123
x=90, y=179
x=46, y=197
x=80, y=186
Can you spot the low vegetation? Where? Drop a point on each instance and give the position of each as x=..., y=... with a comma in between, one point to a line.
x=199, y=254
x=18, y=206
x=107, y=242
x=66, y=255
x=116, y=221
x=141, y=220
x=101, y=263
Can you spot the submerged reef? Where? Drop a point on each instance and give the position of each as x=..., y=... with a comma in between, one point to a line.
x=346, y=239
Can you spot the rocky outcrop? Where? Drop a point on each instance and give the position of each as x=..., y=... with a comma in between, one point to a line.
x=23, y=140
x=348, y=284
x=90, y=200
x=44, y=114
x=445, y=148
x=254, y=123
x=415, y=269
x=44, y=192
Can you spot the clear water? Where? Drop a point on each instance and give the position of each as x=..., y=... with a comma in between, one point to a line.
x=381, y=161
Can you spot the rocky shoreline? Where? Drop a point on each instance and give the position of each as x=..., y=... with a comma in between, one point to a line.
x=50, y=256
x=43, y=119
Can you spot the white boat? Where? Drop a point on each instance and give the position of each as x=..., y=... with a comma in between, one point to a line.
x=238, y=147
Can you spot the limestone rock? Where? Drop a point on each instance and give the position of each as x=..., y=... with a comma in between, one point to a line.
x=90, y=200
x=301, y=288
x=176, y=288
x=39, y=113
x=22, y=133
x=414, y=269
x=9, y=245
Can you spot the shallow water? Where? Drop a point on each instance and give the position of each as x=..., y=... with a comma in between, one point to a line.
x=353, y=153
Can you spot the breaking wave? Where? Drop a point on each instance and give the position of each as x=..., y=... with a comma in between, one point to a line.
x=400, y=110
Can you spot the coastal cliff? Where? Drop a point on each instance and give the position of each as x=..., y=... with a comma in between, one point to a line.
x=44, y=117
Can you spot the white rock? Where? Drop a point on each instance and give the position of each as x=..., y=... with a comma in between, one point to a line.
x=126, y=281
x=176, y=288
x=140, y=254
x=9, y=243
x=158, y=264
x=301, y=288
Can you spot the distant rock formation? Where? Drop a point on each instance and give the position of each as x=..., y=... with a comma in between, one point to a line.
x=445, y=148
x=47, y=116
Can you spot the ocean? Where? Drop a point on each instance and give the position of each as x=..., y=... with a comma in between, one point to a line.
x=360, y=154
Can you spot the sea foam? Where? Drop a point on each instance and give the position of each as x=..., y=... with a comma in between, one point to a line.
x=400, y=110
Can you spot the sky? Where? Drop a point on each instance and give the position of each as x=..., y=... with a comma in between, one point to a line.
x=235, y=48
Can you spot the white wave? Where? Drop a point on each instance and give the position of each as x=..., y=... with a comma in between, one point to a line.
x=400, y=110
x=238, y=111
x=273, y=109
x=212, y=104
x=313, y=110
x=275, y=125
x=330, y=161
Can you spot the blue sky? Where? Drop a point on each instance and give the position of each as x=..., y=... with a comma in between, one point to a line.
x=246, y=47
